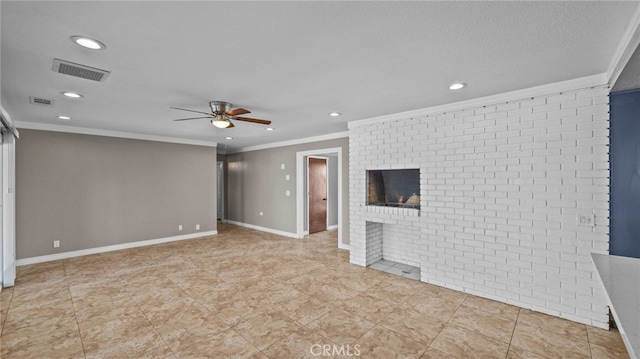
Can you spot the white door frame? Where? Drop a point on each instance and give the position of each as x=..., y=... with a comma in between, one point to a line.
x=8, y=211
x=300, y=196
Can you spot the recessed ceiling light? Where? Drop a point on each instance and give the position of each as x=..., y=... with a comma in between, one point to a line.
x=64, y=117
x=270, y=128
x=72, y=94
x=457, y=86
x=88, y=43
x=334, y=114
x=229, y=138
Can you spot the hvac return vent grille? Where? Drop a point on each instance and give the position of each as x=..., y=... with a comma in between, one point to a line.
x=77, y=70
x=40, y=101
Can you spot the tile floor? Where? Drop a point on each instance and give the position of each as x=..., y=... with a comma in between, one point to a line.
x=248, y=294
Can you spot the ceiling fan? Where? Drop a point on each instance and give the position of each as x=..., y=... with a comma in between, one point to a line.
x=222, y=113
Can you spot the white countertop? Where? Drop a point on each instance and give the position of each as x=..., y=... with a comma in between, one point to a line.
x=620, y=277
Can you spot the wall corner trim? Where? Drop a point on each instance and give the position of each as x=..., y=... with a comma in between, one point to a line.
x=263, y=229
x=107, y=133
x=115, y=247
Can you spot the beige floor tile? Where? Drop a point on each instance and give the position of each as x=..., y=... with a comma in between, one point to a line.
x=492, y=325
x=304, y=308
x=556, y=325
x=517, y=353
x=492, y=306
x=230, y=295
x=440, y=307
x=98, y=335
x=340, y=326
x=265, y=328
x=606, y=338
x=5, y=298
x=189, y=324
x=42, y=342
x=446, y=294
x=396, y=290
x=141, y=344
x=383, y=344
x=418, y=326
x=237, y=309
x=302, y=343
x=368, y=306
x=44, y=318
x=548, y=343
x=602, y=352
x=464, y=343
x=225, y=344
x=432, y=353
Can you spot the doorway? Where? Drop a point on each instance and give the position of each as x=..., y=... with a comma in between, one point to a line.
x=317, y=193
x=335, y=191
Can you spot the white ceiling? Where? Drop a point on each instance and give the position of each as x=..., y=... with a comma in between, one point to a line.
x=290, y=62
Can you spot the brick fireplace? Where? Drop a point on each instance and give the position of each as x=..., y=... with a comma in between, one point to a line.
x=501, y=185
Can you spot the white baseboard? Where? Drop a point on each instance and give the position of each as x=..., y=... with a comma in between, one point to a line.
x=115, y=247
x=344, y=246
x=263, y=229
x=332, y=227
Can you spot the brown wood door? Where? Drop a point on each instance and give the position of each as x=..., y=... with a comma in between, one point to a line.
x=317, y=174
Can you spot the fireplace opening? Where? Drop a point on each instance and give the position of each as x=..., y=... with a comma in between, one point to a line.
x=394, y=188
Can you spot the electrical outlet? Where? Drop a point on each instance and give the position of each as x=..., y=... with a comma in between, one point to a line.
x=197, y=227
x=287, y=178
x=179, y=227
x=287, y=193
x=586, y=220
x=282, y=166
x=56, y=244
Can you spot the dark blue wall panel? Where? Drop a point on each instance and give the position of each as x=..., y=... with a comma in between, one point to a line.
x=625, y=173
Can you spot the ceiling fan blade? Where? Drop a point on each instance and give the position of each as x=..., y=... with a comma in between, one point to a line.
x=191, y=118
x=230, y=125
x=184, y=109
x=253, y=120
x=237, y=111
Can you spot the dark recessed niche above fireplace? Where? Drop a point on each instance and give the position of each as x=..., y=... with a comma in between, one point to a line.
x=394, y=188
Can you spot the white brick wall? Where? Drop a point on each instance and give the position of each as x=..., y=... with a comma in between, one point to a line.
x=501, y=186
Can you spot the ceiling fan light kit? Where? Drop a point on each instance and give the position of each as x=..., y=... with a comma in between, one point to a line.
x=220, y=122
x=222, y=113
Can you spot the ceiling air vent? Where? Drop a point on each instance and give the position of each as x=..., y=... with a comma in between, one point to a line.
x=40, y=101
x=77, y=70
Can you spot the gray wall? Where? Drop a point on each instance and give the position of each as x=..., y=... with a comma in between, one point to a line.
x=257, y=184
x=93, y=191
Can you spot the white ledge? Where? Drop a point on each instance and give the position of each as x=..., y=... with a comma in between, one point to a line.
x=620, y=277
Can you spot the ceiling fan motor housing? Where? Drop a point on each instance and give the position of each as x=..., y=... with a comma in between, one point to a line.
x=219, y=107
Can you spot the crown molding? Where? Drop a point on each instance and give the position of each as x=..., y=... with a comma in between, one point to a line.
x=106, y=133
x=557, y=87
x=626, y=47
x=331, y=136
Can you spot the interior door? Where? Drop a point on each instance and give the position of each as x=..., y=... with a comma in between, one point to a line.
x=317, y=175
